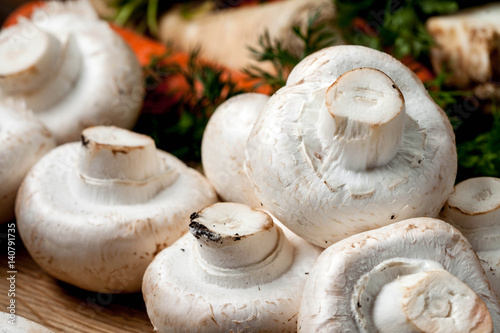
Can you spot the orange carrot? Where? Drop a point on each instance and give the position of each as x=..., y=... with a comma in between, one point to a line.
x=420, y=70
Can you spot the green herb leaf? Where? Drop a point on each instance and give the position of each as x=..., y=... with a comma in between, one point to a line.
x=481, y=156
x=398, y=25
x=179, y=128
x=314, y=37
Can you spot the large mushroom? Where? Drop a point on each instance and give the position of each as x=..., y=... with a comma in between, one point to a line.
x=418, y=275
x=223, y=147
x=237, y=271
x=23, y=141
x=71, y=69
x=474, y=209
x=95, y=213
x=353, y=142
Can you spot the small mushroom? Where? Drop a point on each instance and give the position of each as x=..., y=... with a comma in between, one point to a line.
x=223, y=147
x=474, y=209
x=95, y=213
x=237, y=271
x=23, y=141
x=12, y=323
x=71, y=69
x=353, y=142
x=418, y=275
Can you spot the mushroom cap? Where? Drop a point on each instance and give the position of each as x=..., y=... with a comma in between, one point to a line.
x=327, y=302
x=299, y=177
x=181, y=297
x=474, y=209
x=23, y=141
x=223, y=147
x=22, y=325
x=100, y=235
x=98, y=73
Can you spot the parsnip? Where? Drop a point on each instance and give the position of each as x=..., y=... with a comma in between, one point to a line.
x=468, y=45
x=224, y=36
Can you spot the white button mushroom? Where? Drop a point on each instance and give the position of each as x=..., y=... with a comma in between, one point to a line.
x=474, y=209
x=23, y=141
x=95, y=214
x=223, y=147
x=71, y=69
x=12, y=323
x=353, y=142
x=237, y=271
x=418, y=275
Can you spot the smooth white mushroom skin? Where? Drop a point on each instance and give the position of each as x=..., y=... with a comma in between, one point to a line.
x=353, y=142
x=474, y=209
x=23, y=141
x=417, y=275
x=11, y=323
x=237, y=270
x=71, y=69
x=223, y=147
x=99, y=227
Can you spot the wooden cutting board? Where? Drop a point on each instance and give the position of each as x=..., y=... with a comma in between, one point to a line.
x=62, y=307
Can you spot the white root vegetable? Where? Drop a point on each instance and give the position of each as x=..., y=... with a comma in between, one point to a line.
x=71, y=69
x=467, y=44
x=236, y=271
x=240, y=28
x=223, y=147
x=474, y=209
x=95, y=213
x=353, y=142
x=23, y=141
x=418, y=275
x=12, y=323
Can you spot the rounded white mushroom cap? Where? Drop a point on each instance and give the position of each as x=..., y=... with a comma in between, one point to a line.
x=95, y=213
x=11, y=323
x=23, y=141
x=353, y=142
x=223, y=147
x=237, y=271
x=71, y=69
x=418, y=275
x=474, y=209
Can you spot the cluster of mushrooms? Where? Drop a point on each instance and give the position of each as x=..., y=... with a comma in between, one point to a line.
x=332, y=189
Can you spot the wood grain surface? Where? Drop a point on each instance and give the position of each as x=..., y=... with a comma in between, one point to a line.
x=62, y=307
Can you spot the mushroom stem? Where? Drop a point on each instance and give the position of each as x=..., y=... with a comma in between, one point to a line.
x=364, y=114
x=119, y=166
x=474, y=208
x=431, y=301
x=115, y=153
x=233, y=239
x=38, y=65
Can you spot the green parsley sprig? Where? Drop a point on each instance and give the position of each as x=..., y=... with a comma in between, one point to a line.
x=179, y=128
x=314, y=37
x=392, y=24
